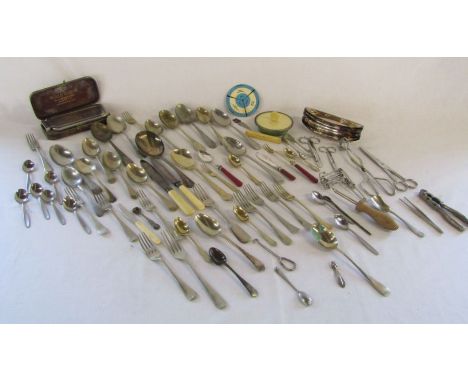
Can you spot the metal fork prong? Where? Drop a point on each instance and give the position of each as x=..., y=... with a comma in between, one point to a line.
x=268, y=148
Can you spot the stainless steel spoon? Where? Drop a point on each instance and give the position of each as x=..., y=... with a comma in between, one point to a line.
x=28, y=167
x=48, y=197
x=36, y=191
x=117, y=125
x=223, y=119
x=52, y=178
x=303, y=297
x=71, y=205
x=92, y=149
x=22, y=197
x=113, y=162
x=87, y=167
x=61, y=155
x=342, y=223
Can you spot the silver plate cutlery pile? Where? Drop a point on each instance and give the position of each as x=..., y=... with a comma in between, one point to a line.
x=162, y=199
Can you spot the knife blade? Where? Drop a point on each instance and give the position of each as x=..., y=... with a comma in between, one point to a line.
x=139, y=224
x=160, y=178
x=270, y=163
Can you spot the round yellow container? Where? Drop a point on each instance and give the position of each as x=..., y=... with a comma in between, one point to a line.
x=273, y=123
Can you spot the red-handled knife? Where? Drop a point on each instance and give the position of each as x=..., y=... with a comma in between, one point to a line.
x=280, y=169
x=306, y=173
x=230, y=176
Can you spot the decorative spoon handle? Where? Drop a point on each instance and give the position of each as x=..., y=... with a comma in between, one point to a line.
x=259, y=266
x=252, y=291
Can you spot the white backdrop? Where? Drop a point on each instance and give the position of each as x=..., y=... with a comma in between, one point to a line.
x=415, y=117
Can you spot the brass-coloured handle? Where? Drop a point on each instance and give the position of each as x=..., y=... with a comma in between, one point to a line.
x=381, y=218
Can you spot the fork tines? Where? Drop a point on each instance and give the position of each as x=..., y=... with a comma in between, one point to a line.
x=252, y=195
x=146, y=244
x=267, y=191
x=128, y=118
x=32, y=141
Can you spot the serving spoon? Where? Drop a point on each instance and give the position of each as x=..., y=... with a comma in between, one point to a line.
x=186, y=115
x=92, y=149
x=211, y=227
x=327, y=239
x=219, y=258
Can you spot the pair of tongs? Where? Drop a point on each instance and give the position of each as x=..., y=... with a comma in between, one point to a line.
x=448, y=213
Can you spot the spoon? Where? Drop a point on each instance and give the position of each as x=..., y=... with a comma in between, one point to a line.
x=236, y=162
x=92, y=149
x=219, y=258
x=243, y=216
x=151, y=222
x=378, y=203
x=101, y=132
x=286, y=263
x=327, y=239
x=61, y=155
x=170, y=121
x=183, y=229
x=183, y=158
x=187, y=116
x=342, y=222
x=234, y=146
x=71, y=205
x=223, y=119
x=48, y=197
x=155, y=128
x=86, y=167
x=52, y=178
x=113, y=162
x=36, y=191
x=292, y=155
x=22, y=197
x=211, y=227
x=318, y=198
x=28, y=168
x=303, y=297
x=117, y=125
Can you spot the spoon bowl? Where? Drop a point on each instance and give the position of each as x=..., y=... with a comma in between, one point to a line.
x=208, y=225
x=218, y=257
x=22, y=196
x=241, y=214
x=184, y=114
x=234, y=146
x=341, y=222
x=168, y=119
x=181, y=227
x=28, y=166
x=36, y=190
x=221, y=118
x=71, y=176
x=90, y=147
x=61, y=155
x=85, y=166
x=203, y=115
x=136, y=173
x=317, y=197
x=70, y=204
x=101, y=132
x=149, y=143
x=183, y=158
x=111, y=160
x=48, y=196
x=234, y=160
x=153, y=127
x=116, y=124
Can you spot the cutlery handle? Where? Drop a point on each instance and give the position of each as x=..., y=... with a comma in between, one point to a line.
x=259, y=266
x=225, y=182
x=286, y=173
x=290, y=227
x=101, y=229
x=26, y=216
x=197, y=203
x=275, y=176
x=298, y=217
x=152, y=236
x=252, y=291
x=364, y=242
x=168, y=202
x=261, y=136
x=284, y=238
x=59, y=214
x=45, y=162
x=131, y=191
x=189, y=293
x=265, y=236
x=316, y=217
x=231, y=177
x=200, y=249
x=408, y=225
x=45, y=210
x=252, y=177
x=306, y=173
x=224, y=195
x=58, y=194
x=381, y=218
x=186, y=208
x=128, y=232
x=217, y=299
x=195, y=144
x=83, y=223
x=205, y=138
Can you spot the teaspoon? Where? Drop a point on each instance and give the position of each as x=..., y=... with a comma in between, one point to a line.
x=342, y=223
x=22, y=197
x=28, y=167
x=303, y=297
x=92, y=149
x=48, y=197
x=71, y=205
x=183, y=229
x=52, y=178
x=36, y=191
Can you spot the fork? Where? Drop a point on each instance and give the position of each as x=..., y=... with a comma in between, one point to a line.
x=149, y=206
x=212, y=173
x=257, y=200
x=236, y=229
x=106, y=206
x=34, y=146
x=152, y=253
x=290, y=197
x=179, y=253
x=101, y=229
x=249, y=207
x=271, y=196
x=128, y=118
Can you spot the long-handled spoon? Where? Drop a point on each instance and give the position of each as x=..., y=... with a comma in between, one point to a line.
x=303, y=297
x=342, y=223
x=22, y=197
x=219, y=258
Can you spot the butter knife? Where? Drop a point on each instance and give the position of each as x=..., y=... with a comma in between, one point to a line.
x=139, y=224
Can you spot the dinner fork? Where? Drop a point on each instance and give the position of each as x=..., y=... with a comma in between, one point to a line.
x=290, y=197
x=149, y=206
x=106, y=206
x=34, y=146
x=249, y=207
x=257, y=200
x=153, y=253
x=235, y=228
x=101, y=229
x=128, y=118
x=179, y=253
x=271, y=196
